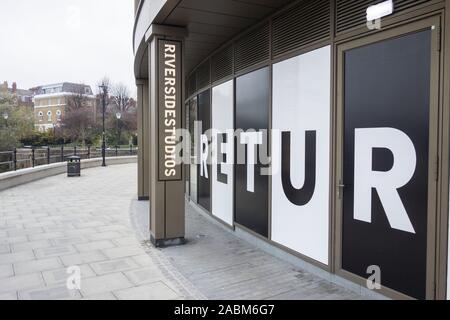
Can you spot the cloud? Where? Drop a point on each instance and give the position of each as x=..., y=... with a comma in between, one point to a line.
x=50, y=41
x=73, y=17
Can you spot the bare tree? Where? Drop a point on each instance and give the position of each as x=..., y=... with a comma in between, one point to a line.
x=122, y=99
x=79, y=119
x=125, y=105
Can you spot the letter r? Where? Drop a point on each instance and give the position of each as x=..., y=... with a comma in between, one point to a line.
x=385, y=183
x=204, y=156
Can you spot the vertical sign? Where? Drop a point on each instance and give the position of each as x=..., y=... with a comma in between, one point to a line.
x=169, y=112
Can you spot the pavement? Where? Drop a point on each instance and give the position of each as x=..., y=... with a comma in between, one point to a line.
x=92, y=225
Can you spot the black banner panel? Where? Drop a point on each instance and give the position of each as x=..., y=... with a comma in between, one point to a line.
x=386, y=161
x=204, y=167
x=252, y=116
x=193, y=115
x=301, y=153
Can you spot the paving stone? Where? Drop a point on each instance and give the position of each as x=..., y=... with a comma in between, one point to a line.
x=36, y=266
x=83, y=258
x=112, y=266
x=60, y=276
x=94, y=246
x=4, y=248
x=118, y=228
x=19, y=283
x=101, y=297
x=144, y=276
x=68, y=241
x=27, y=224
x=56, y=293
x=97, y=236
x=27, y=246
x=6, y=271
x=16, y=257
x=12, y=240
x=90, y=224
x=121, y=252
x=143, y=260
x=154, y=291
x=62, y=228
x=54, y=251
x=12, y=296
x=45, y=236
x=107, y=283
x=25, y=232
x=126, y=241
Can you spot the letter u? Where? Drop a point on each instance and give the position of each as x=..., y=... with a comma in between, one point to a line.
x=303, y=196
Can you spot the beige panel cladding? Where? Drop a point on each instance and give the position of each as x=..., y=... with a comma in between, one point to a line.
x=143, y=139
x=167, y=209
x=157, y=190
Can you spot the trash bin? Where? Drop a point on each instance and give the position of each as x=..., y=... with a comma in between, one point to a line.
x=74, y=166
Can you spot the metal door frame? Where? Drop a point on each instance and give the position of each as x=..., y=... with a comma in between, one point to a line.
x=434, y=23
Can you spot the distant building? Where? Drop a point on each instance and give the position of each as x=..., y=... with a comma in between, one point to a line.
x=24, y=98
x=51, y=102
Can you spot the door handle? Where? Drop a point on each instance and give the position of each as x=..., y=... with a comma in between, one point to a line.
x=341, y=188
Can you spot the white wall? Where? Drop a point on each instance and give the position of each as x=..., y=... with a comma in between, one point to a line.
x=223, y=122
x=301, y=102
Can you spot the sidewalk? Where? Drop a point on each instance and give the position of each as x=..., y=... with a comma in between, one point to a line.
x=56, y=223
x=52, y=224
x=221, y=266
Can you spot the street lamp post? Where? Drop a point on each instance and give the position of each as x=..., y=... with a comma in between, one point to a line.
x=6, y=117
x=104, y=89
x=118, y=116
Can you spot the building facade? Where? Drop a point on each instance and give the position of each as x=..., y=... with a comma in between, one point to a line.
x=51, y=103
x=24, y=98
x=341, y=110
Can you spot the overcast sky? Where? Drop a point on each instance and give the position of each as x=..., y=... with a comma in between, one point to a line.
x=51, y=41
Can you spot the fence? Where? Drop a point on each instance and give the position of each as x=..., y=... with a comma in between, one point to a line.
x=33, y=157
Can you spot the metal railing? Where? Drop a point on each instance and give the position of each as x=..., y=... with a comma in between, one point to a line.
x=32, y=157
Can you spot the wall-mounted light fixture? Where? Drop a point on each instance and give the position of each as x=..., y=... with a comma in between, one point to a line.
x=380, y=10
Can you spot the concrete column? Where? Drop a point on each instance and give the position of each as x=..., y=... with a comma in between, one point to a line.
x=143, y=139
x=167, y=204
